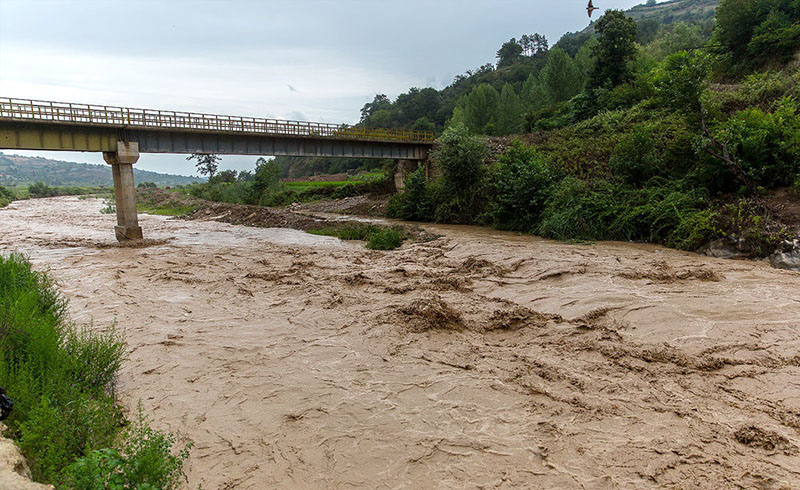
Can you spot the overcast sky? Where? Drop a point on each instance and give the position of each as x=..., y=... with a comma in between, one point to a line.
x=297, y=59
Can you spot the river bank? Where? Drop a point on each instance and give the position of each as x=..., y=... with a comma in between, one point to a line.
x=478, y=359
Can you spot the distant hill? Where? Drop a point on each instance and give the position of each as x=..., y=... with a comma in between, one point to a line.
x=19, y=170
x=650, y=16
x=675, y=11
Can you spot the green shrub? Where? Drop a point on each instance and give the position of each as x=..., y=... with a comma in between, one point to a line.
x=386, y=239
x=414, y=203
x=518, y=186
x=6, y=196
x=461, y=158
x=146, y=461
x=40, y=189
x=767, y=144
x=636, y=158
x=659, y=213
x=575, y=211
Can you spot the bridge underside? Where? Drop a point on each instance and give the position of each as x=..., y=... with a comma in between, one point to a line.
x=18, y=135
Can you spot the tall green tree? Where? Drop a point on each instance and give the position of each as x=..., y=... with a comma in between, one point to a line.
x=534, y=96
x=509, y=113
x=560, y=76
x=380, y=102
x=615, y=50
x=480, y=109
x=509, y=53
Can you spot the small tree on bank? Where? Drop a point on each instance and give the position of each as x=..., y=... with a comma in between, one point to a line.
x=207, y=163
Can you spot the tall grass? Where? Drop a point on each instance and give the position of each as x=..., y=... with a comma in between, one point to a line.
x=60, y=376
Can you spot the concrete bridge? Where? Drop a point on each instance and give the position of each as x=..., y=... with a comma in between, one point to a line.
x=121, y=134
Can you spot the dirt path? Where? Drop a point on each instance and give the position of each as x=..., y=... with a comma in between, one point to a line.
x=478, y=360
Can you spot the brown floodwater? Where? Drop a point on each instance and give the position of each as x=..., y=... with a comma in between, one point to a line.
x=481, y=359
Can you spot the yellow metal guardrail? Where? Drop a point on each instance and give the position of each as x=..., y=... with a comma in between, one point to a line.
x=65, y=112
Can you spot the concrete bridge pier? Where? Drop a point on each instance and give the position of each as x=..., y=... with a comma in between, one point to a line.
x=402, y=169
x=121, y=162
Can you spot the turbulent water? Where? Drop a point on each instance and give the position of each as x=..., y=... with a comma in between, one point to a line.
x=478, y=360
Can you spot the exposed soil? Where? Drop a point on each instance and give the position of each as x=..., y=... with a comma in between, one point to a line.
x=364, y=205
x=297, y=217
x=786, y=203
x=480, y=359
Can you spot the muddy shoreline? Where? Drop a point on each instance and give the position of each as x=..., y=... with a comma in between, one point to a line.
x=480, y=359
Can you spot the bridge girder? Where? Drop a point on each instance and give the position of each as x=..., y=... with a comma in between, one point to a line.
x=23, y=135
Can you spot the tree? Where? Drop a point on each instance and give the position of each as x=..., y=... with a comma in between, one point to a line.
x=560, y=76
x=423, y=124
x=539, y=44
x=224, y=177
x=207, y=163
x=380, y=102
x=509, y=53
x=509, y=113
x=480, y=109
x=615, y=50
x=525, y=42
x=534, y=95
x=755, y=32
x=461, y=157
x=267, y=180
x=584, y=58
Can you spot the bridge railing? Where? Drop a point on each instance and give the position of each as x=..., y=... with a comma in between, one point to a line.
x=64, y=112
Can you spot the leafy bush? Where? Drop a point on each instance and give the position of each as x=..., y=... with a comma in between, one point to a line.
x=636, y=158
x=145, y=462
x=461, y=158
x=768, y=144
x=604, y=210
x=6, y=196
x=519, y=185
x=386, y=239
x=414, y=203
x=40, y=189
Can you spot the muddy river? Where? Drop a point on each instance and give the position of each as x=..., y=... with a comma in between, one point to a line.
x=478, y=360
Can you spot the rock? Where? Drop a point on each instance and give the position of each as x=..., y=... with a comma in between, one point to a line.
x=787, y=256
x=14, y=471
x=728, y=248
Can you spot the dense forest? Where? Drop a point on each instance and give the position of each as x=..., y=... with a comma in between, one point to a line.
x=528, y=77
x=676, y=135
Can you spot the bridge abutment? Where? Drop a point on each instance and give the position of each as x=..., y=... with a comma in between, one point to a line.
x=121, y=162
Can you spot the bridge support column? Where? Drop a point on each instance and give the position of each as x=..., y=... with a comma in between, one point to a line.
x=121, y=162
x=402, y=169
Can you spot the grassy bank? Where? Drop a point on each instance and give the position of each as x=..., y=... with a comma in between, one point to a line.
x=62, y=378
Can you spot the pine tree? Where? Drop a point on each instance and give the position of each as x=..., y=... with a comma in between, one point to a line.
x=509, y=113
x=480, y=109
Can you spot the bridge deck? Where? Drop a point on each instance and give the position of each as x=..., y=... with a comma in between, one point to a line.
x=24, y=110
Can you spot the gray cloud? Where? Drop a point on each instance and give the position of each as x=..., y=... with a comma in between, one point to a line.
x=239, y=57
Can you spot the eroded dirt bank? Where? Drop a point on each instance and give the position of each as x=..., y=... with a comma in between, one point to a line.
x=477, y=360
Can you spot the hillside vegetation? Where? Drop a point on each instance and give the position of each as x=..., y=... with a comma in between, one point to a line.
x=678, y=140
